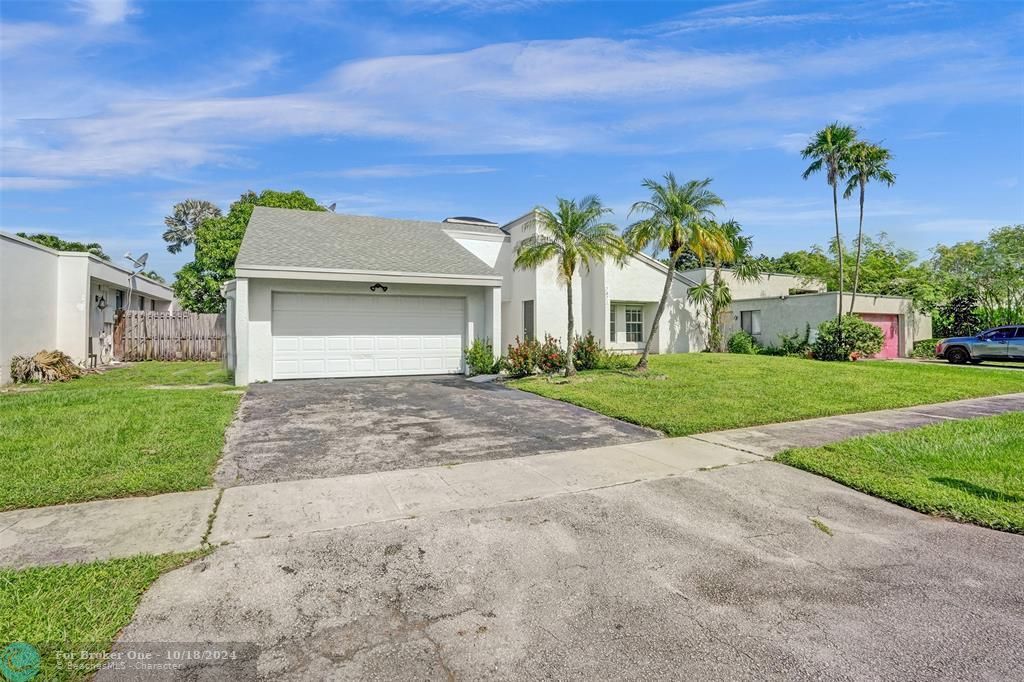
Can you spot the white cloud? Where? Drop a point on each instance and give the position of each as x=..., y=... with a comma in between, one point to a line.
x=16, y=36
x=557, y=69
x=710, y=23
x=31, y=183
x=105, y=12
x=412, y=171
x=627, y=96
x=475, y=6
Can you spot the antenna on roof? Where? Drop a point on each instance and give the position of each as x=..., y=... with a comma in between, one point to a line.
x=139, y=263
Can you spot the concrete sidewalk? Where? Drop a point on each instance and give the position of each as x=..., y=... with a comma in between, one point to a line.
x=771, y=439
x=280, y=509
x=182, y=521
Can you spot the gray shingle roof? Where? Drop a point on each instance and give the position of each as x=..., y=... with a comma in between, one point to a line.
x=278, y=237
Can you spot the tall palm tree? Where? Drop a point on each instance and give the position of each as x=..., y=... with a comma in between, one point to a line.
x=186, y=217
x=575, y=237
x=867, y=162
x=830, y=149
x=676, y=219
x=715, y=297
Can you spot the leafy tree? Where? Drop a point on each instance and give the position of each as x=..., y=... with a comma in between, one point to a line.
x=991, y=271
x=185, y=219
x=867, y=162
x=957, y=317
x=830, y=149
x=886, y=270
x=217, y=240
x=811, y=263
x=678, y=217
x=714, y=297
x=153, y=275
x=54, y=242
x=574, y=237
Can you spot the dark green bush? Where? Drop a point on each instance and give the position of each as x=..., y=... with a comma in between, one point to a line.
x=854, y=339
x=743, y=343
x=523, y=357
x=480, y=357
x=586, y=352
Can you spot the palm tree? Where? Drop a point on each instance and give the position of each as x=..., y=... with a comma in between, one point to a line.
x=830, y=149
x=716, y=296
x=677, y=219
x=186, y=217
x=867, y=162
x=575, y=237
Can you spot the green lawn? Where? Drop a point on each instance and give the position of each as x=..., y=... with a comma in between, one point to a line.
x=696, y=392
x=66, y=608
x=114, y=434
x=969, y=470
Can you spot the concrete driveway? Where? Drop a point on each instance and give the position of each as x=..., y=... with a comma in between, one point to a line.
x=292, y=430
x=718, y=574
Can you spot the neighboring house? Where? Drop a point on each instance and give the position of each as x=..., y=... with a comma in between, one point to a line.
x=63, y=300
x=319, y=294
x=778, y=304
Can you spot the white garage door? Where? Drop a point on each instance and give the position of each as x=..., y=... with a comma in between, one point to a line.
x=351, y=335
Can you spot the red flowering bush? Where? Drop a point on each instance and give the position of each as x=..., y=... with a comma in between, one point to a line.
x=523, y=358
x=586, y=352
x=552, y=355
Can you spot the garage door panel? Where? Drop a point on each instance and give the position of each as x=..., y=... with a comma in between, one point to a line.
x=286, y=343
x=312, y=344
x=341, y=344
x=334, y=335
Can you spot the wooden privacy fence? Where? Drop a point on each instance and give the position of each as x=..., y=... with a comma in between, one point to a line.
x=152, y=335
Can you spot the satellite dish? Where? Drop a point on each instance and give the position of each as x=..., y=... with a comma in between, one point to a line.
x=142, y=260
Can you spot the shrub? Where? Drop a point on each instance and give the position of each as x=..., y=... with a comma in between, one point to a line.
x=925, y=348
x=858, y=339
x=552, y=355
x=523, y=357
x=609, y=360
x=480, y=357
x=586, y=352
x=742, y=342
x=795, y=345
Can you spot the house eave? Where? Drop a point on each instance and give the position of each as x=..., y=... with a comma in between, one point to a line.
x=331, y=275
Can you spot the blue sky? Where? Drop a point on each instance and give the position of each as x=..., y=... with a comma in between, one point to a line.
x=113, y=110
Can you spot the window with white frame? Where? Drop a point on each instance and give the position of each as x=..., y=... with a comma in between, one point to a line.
x=750, y=321
x=634, y=325
x=611, y=327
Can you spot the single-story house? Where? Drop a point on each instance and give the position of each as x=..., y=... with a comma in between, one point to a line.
x=779, y=304
x=64, y=300
x=319, y=294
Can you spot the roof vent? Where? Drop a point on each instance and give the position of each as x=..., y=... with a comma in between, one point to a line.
x=470, y=220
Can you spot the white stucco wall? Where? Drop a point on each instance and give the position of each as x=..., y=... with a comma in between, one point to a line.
x=641, y=281
x=769, y=284
x=28, y=293
x=791, y=314
x=541, y=286
x=253, y=330
x=48, y=299
x=486, y=247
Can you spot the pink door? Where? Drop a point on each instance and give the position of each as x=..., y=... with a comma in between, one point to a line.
x=890, y=326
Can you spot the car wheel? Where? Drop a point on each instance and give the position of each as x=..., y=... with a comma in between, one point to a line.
x=957, y=356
